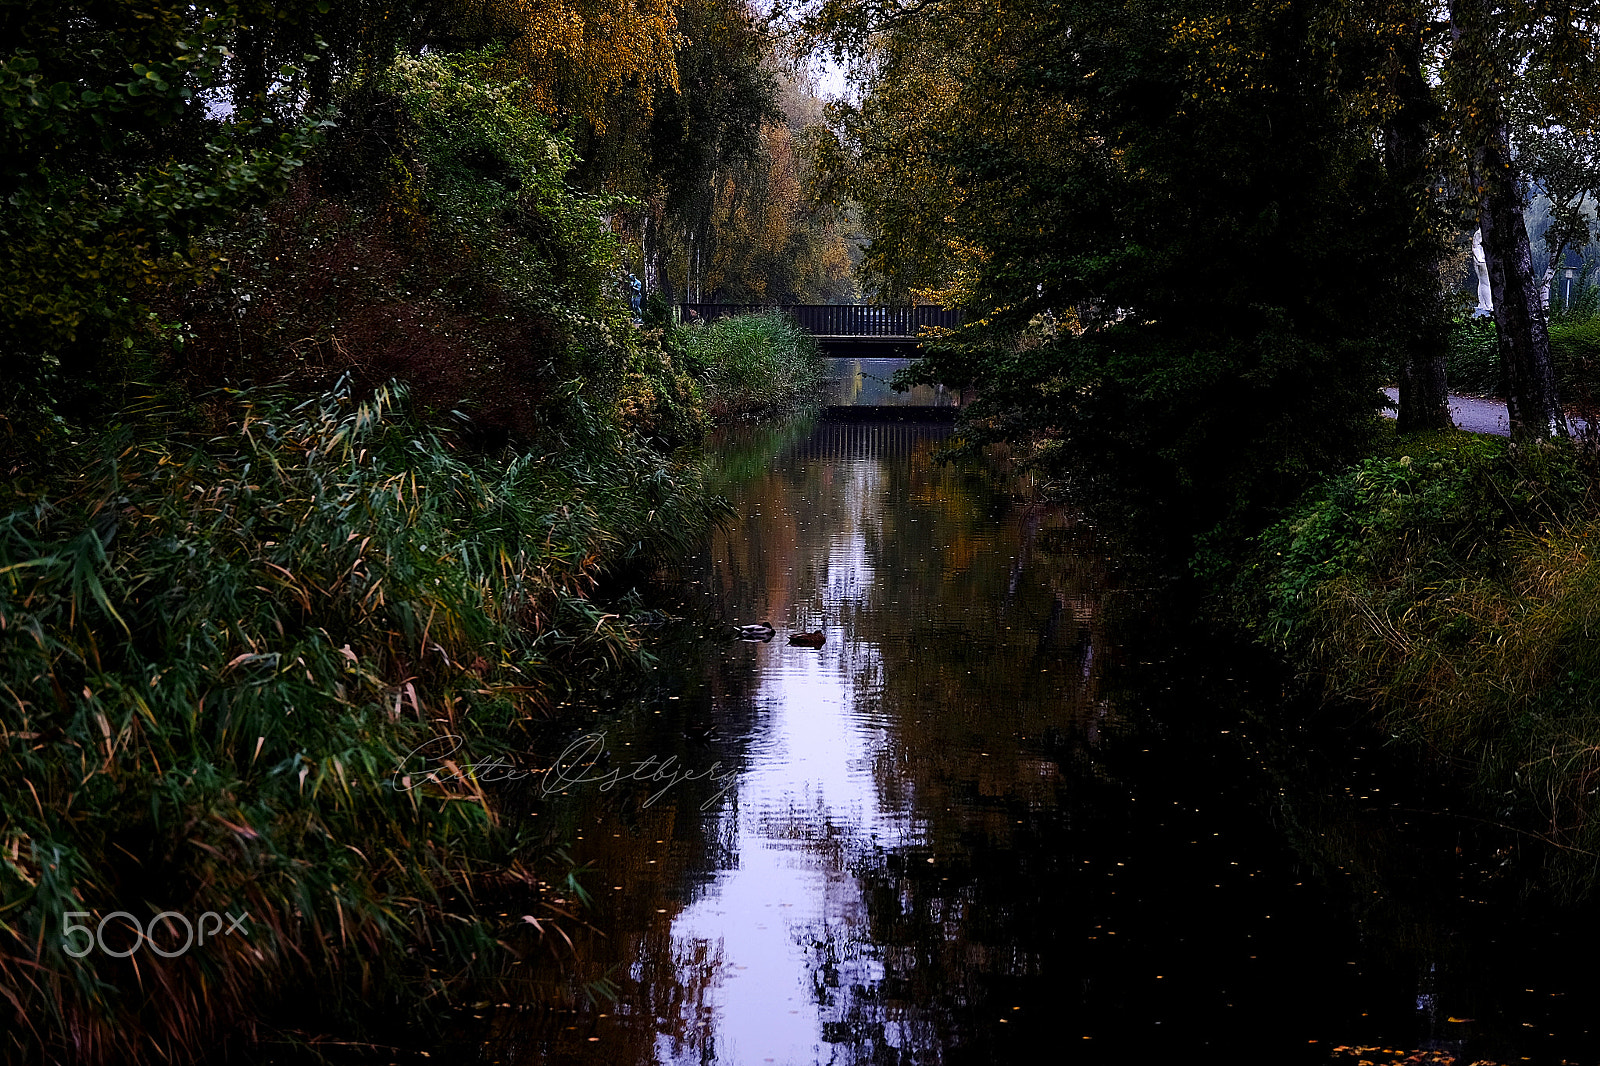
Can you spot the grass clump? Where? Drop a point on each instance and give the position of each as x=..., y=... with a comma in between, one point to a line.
x=1454, y=588
x=753, y=365
x=218, y=652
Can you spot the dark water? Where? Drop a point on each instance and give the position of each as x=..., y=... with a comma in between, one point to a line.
x=998, y=811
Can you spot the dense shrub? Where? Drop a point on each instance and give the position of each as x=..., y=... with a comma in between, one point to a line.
x=753, y=364
x=1575, y=350
x=216, y=654
x=434, y=240
x=1473, y=363
x=1453, y=589
x=111, y=174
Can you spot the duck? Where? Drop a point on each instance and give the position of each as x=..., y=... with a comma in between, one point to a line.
x=809, y=640
x=762, y=631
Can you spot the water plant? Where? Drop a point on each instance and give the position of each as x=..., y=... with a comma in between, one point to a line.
x=221, y=646
x=753, y=364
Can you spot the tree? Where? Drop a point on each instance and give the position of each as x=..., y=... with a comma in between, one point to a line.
x=586, y=60
x=708, y=128
x=1480, y=70
x=1177, y=190
x=1379, y=50
x=1556, y=134
x=775, y=242
x=111, y=169
x=721, y=168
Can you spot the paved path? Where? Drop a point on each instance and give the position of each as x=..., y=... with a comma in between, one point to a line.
x=1474, y=416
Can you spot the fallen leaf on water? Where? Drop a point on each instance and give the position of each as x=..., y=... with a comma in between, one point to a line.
x=1377, y=1056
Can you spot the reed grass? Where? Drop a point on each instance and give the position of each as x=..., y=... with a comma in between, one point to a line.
x=753, y=365
x=1455, y=590
x=217, y=649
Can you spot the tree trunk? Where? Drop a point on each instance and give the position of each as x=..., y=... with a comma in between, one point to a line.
x=250, y=70
x=1524, y=336
x=320, y=84
x=1424, y=392
x=1518, y=315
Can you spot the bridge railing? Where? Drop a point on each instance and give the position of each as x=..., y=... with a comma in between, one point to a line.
x=838, y=320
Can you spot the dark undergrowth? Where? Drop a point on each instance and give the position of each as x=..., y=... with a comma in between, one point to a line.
x=219, y=651
x=1453, y=586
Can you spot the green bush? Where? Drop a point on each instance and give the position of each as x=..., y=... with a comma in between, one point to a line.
x=1575, y=350
x=1453, y=590
x=1441, y=509
x=1472, y=365
x=753, y=364
x=112, y=181
x=434, y=240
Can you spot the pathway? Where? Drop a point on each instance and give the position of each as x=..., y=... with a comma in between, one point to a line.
x=1472, y=415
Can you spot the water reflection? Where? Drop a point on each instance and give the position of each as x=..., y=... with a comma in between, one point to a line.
x=866, y=383
x=943, y=645
x=989, y=816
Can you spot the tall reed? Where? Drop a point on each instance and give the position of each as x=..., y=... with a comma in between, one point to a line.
x=217, y=660
x=753, y=364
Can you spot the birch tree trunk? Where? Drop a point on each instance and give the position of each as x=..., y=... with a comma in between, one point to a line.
x=1519, y=318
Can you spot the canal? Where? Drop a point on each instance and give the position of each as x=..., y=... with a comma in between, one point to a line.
x=1002, y=808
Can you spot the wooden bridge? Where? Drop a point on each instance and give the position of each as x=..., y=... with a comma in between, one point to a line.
x=844, y=329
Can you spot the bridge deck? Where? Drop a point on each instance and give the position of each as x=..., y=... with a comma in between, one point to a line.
x=842, y=323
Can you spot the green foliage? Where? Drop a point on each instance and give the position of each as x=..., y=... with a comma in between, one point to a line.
x=491, y=175
x=1452, y=588
x=1187, y=197
x=753, y=364
x=662, y=399
x=435, y=239
x=110, y=172
x=216, y=654
x=1581, y=303
x=1472, y=365
x=1443, y=508
x=1575, y=350
x=1474, y=360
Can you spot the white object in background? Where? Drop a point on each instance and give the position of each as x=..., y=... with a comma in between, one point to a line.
x=1480, y=263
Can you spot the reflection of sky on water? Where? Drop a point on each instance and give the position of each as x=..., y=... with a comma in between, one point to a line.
x=952, y=842
x=808, y=799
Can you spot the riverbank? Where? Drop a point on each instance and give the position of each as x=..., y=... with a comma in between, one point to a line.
x=254, y=640
x=1444, y=590
x=223, y=647
x=220, y=650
